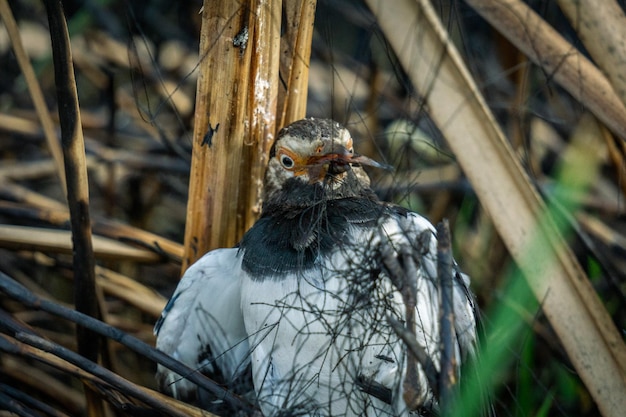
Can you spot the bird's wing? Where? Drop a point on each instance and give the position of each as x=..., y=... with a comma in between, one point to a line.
x=202, y=325
x=413, y=227
x=412, y=231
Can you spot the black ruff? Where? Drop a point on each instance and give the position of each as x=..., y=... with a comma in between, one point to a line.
x=304, y=224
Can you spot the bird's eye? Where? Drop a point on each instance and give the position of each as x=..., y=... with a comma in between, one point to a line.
x=351, y=150
x=286, y=161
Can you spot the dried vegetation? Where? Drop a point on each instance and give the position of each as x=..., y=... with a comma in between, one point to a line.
x=508, y=119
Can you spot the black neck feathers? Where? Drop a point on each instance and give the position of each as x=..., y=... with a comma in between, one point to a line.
x=303, y=224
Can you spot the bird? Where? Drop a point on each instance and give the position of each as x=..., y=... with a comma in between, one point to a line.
x=295, y=318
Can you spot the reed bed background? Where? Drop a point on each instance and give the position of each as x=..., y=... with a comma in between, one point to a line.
x=505, y=117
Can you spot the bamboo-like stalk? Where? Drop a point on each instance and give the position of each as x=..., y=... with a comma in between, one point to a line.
x=295, y=55
x=77, y=187
x=236, y=102
x=35, y=90
x=264, y=43
x=455, y=104
x=601, y=25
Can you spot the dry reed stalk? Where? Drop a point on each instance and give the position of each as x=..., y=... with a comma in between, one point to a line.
x=73, y=146
x=110, y=282
x=131, y=291
x=601, y=231
x=124, y=232
x=21, y=171
x=20, y=125
x=27, y=196
x=601, y=26
x=60, y=241
x=235, y=119
x=35, y=91
x=294, y=60
x=38, y=207
x=547, y=48
x=40, y=381
x=260, y=126
x=455, y=104
x=616, y=156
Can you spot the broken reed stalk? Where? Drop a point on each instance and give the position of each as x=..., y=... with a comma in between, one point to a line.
x=418, y=353
x=264, y=43
x=601, y=26
x=295, y=55
x=77, y=187
x=408, y=290
x=235, y=109
x=34, y=89
x=237, y=99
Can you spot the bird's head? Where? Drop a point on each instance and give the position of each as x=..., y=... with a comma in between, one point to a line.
x=315, y=154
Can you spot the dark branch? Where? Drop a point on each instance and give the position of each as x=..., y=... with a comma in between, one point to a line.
x=15, y=407
x=449, y=364
x=26, y=399
x=418, y=352
x=93, y=368
x=76, y=176
x=16, y=291
x=373, y=388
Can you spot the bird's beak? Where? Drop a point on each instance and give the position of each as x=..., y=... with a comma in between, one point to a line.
x=341, y=156
x=336, y=161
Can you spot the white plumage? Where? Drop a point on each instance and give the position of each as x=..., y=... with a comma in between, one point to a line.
x=302, y=305
x=204, y=313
